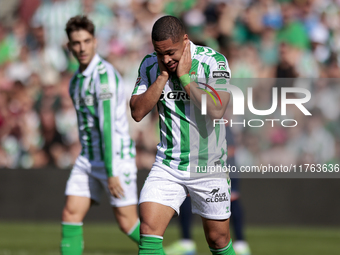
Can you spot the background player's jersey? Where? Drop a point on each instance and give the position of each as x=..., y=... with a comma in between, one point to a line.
x=186, y=135
x=98, y=97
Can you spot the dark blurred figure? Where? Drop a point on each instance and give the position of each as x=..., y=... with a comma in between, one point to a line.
x=53, y=146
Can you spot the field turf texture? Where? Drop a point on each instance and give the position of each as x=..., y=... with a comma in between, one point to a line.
x=40, y=238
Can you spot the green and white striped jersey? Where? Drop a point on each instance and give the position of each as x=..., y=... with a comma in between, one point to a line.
x=99, y=100
x=186, y=136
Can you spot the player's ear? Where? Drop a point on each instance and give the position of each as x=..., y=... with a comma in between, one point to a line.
x=69, y=46
x=185, y=38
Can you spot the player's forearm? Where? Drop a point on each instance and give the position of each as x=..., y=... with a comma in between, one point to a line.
x=214, y=111
x=142, y=104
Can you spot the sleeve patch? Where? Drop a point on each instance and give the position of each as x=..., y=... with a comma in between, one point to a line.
x=221, y=74
x=221, y=65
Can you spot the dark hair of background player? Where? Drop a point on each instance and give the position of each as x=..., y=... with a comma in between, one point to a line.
x=79, y=22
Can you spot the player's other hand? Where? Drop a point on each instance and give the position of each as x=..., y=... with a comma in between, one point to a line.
x=115, y=187
x=163, y=70
x=184, y=64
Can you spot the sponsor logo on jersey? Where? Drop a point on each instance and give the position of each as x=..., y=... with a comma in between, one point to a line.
x=175, y=95
x=105, y=96
x=216, y=197
x=88, y=101
x=221, y=74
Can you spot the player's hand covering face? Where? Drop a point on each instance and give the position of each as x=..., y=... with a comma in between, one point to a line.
x=170, y=53
x=83, y=46
x=184, y=64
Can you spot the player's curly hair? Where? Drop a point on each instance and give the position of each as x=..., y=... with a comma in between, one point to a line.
x=79, y=22
x=167, y=27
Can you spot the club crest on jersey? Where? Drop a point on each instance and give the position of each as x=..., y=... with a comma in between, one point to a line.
x=105, y=92
x=104, y=88
x=193, y=76
x=221, y=65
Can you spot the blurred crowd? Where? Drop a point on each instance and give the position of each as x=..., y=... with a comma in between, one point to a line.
x=261, y=39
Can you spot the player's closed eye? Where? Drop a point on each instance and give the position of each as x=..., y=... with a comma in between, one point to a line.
x=168, y=54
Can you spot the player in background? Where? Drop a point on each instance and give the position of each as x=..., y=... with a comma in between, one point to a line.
x=107, y=159
x=169, y=182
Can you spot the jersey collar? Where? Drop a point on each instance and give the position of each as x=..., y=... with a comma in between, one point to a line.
x=89, y=69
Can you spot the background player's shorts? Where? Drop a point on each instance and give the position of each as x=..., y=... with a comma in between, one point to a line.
x=210, y=197
x=87, y=181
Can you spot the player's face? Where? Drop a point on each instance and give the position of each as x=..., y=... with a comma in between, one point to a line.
x=170, y=52
x=83, y=46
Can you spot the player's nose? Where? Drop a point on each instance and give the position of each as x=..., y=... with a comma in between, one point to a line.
x=166, y=59
x=82, y=46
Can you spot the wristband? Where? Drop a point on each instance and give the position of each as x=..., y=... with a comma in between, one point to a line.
x=185, y=79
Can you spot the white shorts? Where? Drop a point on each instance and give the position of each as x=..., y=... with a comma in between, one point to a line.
x=87, y=181
x=210, y=197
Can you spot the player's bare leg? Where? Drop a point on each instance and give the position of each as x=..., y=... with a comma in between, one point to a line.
x=128, y=221
x=155, y=218
x=217, y=235
x=73, y=214
x=75, y=209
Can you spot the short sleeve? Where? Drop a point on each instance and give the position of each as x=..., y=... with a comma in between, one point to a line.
x=220, y=72
x=142, y=82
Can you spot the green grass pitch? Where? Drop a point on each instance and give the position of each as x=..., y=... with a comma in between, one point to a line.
x=18, y=238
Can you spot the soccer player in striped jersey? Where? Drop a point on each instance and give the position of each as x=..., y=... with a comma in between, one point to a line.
x=107, y=159
x=163, y=80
